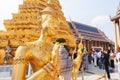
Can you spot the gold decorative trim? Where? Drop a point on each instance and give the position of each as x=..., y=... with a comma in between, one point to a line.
x=19, y=60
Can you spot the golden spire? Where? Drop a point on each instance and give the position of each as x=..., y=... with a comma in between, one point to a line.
x=51, y=1
x=54, y=4
x=51, y=8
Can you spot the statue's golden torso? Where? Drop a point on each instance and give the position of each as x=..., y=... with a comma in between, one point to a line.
x=38, y=54
x=40, y=57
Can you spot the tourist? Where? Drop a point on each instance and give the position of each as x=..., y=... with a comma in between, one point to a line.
x=86, y=56
x=118, y=56
x=95, y=58
x=101, y=61
x=84, y=63
x=112, y=65
x=98, y=59
x=106, y=62
x=90, y=57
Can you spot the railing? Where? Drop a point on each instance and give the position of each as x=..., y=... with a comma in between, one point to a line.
x=5, y=72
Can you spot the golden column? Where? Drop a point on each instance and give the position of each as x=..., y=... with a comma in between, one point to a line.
x=119, y=32
x=116, y=20
x=115, y=34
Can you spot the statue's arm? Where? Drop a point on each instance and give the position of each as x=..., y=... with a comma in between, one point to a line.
x=19, y=64
x=50, y=68
x=47, y=72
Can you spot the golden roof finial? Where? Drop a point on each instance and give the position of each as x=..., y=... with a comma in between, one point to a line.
x=50, y=7
x=51, y=1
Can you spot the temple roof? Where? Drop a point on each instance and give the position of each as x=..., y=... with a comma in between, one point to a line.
x=88, y=32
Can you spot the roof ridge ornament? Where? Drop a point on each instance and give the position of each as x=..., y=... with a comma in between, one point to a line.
x=118, y=9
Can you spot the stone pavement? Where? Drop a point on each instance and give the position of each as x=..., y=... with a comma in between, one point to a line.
x=90, y=74
x=93, y=73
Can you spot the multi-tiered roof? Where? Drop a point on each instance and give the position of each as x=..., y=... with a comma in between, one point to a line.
x=24, y=25
x=89, y=32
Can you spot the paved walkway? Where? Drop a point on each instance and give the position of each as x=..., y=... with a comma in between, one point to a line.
x=93, y=73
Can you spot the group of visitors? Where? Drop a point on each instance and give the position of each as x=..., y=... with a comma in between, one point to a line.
x=106, y=61
x=99, y=58
x=102, y=59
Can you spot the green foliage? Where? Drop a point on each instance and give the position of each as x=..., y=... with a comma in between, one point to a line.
x=61, y=40
x=82, y=50
x=91, y=50
x=67, y=48
x=53, y=42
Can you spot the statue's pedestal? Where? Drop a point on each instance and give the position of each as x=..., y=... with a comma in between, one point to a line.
x=5, y=72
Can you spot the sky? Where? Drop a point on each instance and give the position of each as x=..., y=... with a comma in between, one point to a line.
x=91, y=12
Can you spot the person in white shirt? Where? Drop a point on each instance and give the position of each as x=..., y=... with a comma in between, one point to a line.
x=98, y=58
x=99, y=54
x=95, y=58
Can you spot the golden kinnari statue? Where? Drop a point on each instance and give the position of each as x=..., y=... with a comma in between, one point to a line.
x=42, y=54
x=77, y=61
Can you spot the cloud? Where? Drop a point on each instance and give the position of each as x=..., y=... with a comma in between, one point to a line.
x=103, y=23
x=100, y=19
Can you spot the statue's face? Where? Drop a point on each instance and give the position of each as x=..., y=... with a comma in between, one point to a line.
x=51, y=31
x=50, y=24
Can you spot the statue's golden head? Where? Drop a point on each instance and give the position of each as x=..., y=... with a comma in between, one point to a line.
x=54, y=25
